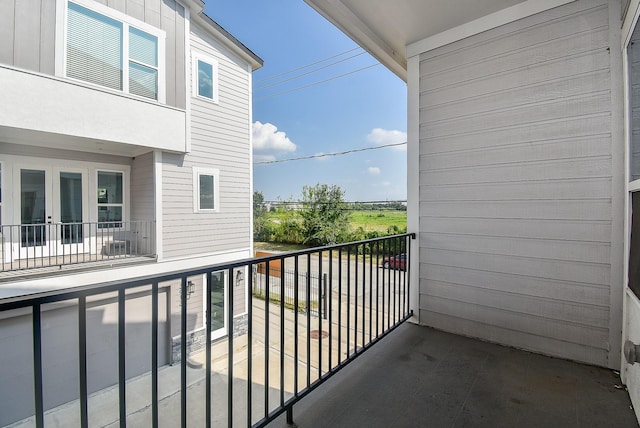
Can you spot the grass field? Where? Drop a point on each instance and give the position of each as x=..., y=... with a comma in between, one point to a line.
x=378, y=220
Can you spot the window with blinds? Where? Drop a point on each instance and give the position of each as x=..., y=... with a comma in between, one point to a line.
x=111, y=53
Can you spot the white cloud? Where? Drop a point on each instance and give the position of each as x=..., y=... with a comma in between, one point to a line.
x=267, y=138
x=381, y=137
x=263, y=158
x=373, y=170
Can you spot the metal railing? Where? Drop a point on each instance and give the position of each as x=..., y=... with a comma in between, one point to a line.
x=282, y=285
x=270, y=358
x=29, y=246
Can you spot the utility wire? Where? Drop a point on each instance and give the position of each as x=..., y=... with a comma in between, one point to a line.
x=305, y=66
x=262, y=88
x=316, y=83
x=324, y=155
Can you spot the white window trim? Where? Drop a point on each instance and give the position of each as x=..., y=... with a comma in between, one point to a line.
x=197, y=56
x=221, y=332
x=125, y=193
x=197, y=172
x=127, y=21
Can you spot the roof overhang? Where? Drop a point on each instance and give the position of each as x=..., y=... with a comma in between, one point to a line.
x=394, y=30
x=196, y=9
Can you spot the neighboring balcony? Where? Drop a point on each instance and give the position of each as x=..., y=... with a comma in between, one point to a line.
x=48, y=111
x=41, y=247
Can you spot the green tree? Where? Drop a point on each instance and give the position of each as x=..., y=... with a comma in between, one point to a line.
x=325, y=219
x=261, y=227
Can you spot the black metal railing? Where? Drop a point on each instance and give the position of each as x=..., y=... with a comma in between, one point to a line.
x=30, y=246
x=282, y=285
x=112, y=342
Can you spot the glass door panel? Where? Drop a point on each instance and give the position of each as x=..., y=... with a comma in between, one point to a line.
x=33, y=215
x=217, y=315
x=71, y=207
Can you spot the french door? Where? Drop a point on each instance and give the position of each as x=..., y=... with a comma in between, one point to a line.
x=218, y=311
x=52, y=211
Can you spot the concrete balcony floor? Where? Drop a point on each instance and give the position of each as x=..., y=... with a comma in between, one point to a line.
x=420, y=377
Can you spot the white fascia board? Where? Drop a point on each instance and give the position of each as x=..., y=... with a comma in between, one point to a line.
x=350, y=24
x=488, y=22
x=413, y=180
x=630, y=20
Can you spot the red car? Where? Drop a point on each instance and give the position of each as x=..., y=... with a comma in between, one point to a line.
x=395, y=262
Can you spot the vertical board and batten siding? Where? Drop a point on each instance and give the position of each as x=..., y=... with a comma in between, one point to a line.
x=516, y=184
x=28, y=34
x=220, y=139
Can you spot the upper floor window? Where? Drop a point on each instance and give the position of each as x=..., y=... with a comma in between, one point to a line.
x=110, y=49
x=205, y=77
x=205, y=185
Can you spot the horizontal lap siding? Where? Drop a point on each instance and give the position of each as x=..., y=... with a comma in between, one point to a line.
x=220, y=138
x=515, y=184
x=143, y=188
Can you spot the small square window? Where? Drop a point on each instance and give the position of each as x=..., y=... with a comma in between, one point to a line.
x=205, y=186
x=205, y=78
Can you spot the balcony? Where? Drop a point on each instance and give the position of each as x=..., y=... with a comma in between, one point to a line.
x=75, y=116
x=324, y=331
x=43, y=247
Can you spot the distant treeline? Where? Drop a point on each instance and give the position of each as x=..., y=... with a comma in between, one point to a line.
x=321, y=217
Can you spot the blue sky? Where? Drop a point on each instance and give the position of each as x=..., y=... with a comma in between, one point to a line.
x=363, y=109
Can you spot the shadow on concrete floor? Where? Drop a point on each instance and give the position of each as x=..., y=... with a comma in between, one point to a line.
x=421, y=377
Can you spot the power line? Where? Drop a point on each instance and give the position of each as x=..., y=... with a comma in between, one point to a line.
x=262, y=88
x=323, y=155
x=306, y=66
x=316, y=83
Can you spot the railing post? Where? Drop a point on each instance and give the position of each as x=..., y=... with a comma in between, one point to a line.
x=290, y=415
x=324, y=296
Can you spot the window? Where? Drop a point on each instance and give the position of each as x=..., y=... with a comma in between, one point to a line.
x=205, y=78
x=110, y=199
x=109, y=49
x=205, y=184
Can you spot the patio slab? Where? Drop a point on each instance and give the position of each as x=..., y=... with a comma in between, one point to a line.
x=418, y=376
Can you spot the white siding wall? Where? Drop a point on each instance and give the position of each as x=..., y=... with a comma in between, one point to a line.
x=142, y=188
x=220, y=138
x=516, y=184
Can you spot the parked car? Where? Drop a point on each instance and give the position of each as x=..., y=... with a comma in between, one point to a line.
x=395, y=262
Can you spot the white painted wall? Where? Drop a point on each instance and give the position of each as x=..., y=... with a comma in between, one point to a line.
x=517, y=196
x=90, y=119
